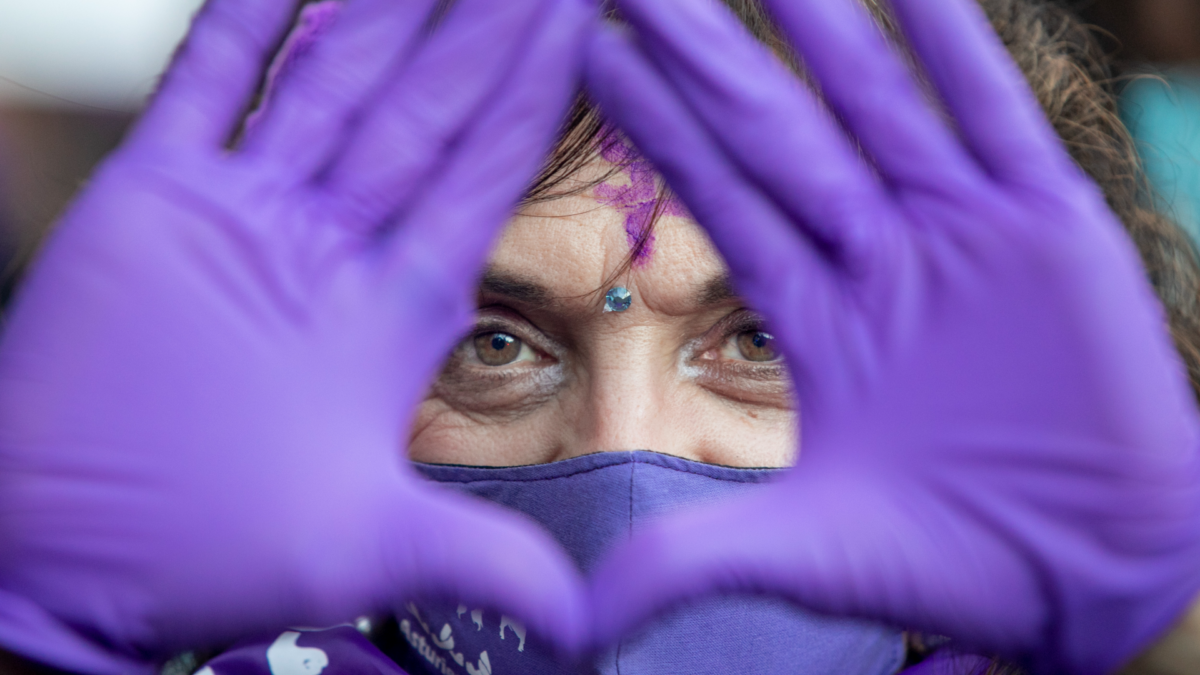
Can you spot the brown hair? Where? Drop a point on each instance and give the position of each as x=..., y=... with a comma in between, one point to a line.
x=1067, y=69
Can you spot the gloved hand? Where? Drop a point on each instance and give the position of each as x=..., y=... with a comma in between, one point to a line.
x=206, y=380
x=999, y=442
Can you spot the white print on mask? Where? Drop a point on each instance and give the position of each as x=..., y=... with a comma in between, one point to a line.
x=412, y=609
x=484, y=667
x=476, y=615
x=285, y=657
x=419, y=643
x=517, y=629
x=445, y=640
x=205, y=671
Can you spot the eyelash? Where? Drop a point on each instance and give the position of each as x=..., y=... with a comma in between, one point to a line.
x=488, y=325
x=524, y=384
x=729, y=328
x=733, y=325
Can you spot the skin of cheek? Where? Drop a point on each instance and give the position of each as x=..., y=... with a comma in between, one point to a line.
x=740, y=433
x=689, y=421
x=624, y=381
x=446, y=435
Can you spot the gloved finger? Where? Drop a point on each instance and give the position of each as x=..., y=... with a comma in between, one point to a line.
x=758, y=242
x=451, y=227
x=480, y=554
x=996, y=113
x=205, y=92
x=449, y=82
x=773, y=264
x=37, y=634
x=314, y=100
x=763, y=117
x=682, y=558
x=872, y=91
x=805, y=541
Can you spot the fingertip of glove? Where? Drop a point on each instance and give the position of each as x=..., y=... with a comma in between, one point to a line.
x=623, y=593
x=482, y=554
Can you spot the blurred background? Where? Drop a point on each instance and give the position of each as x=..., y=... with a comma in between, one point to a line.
x=1160, y=38
x=74, y=72
x=72, y=75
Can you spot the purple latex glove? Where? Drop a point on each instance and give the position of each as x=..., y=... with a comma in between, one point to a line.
x=999, y=442
x=207, y=377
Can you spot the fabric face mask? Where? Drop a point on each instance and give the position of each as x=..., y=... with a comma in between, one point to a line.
x=589, y=504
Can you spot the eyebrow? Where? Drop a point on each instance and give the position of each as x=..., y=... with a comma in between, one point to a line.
x=513, y=287
x=520, y=289
x=716, y=290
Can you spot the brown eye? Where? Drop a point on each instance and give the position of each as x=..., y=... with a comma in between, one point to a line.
x=755, y=345
x=497, y=349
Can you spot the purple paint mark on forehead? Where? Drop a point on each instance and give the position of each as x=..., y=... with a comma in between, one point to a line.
x=638, y=200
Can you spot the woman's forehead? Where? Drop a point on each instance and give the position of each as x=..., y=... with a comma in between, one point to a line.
x=573, y=245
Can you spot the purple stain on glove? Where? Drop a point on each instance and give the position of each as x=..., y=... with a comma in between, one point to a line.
x=315, y=20
x=640, y=199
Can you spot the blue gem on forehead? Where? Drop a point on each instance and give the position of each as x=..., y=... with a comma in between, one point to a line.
x=618, y=299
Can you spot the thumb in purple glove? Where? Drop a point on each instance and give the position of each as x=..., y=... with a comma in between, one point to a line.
x=999, y=443
x=207, y=376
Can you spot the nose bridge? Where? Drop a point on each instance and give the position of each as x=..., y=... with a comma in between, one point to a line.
x=626, y=394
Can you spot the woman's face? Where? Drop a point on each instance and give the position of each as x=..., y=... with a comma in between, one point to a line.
x=547, y=375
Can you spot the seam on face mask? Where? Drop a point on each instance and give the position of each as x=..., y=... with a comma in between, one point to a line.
x=635, y=462
x=527, y=480
x=629, y=533
x=632, y=478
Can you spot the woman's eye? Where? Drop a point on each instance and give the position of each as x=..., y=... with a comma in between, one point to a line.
x=501, y=349
x=752, y=345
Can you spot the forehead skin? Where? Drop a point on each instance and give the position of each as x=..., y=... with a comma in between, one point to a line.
x=572, y=245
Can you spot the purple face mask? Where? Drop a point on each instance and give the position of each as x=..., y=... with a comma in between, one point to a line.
x=590, y=503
